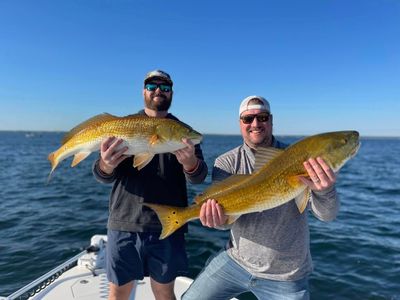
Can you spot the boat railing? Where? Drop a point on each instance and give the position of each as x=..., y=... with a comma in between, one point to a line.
x=88, y=258
x=43, y=281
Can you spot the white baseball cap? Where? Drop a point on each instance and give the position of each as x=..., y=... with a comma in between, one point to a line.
x=245, y=105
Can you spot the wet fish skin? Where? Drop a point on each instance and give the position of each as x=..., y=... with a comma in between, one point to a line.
x=144, y=136
x=274, y=182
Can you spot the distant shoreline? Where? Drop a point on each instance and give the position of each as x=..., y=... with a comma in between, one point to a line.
x=209, y=134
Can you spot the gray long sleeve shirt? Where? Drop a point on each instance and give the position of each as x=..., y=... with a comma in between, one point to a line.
x=273, y=244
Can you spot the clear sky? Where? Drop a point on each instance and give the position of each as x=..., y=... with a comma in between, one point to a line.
x=323, y=65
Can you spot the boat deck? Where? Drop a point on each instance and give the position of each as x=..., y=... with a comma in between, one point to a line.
x=83, y=277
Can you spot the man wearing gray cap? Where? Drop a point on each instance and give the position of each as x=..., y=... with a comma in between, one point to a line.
x=268, y=252
x=133, y=246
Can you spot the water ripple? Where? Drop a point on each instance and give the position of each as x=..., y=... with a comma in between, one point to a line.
x=355, y=257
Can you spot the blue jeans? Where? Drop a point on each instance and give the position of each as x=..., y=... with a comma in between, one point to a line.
x=223, y=278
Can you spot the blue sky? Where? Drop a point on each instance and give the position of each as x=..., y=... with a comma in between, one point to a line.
x=324, y=65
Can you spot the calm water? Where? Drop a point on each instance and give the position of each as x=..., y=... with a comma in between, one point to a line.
x=355, y=257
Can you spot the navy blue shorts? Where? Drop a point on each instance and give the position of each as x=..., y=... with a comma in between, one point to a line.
x=132, y=255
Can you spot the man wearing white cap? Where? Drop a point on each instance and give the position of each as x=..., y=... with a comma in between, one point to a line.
x=268, y=252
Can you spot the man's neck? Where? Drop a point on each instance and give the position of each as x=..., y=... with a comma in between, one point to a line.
x=155, y=113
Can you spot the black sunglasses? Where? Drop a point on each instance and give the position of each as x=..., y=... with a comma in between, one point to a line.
x=248, y=119
x=151, y=87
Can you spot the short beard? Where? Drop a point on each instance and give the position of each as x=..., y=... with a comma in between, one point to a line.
x=158, y=106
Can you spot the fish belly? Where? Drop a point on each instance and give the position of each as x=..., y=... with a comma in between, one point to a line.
x=142, y=145
x=168, y=146
x=135, y=146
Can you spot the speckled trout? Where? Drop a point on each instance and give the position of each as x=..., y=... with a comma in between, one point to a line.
x=275, y=180
x=143, y=136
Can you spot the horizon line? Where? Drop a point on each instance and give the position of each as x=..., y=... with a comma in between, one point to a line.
x=230, y=134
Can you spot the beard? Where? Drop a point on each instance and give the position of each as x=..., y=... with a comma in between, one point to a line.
x=162, y=105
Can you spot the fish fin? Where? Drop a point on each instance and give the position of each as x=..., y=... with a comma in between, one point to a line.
x=302, y=200
x=54, y=163
x=293, y=181
x=218, y=187
x=170, y=217
x=232, y=219
x=142, y=159
x=264, y=155
x=154, y=139
x=92, y=122
x=78, y=157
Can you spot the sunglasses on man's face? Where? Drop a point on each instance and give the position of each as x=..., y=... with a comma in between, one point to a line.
x=248, y=119
x=151, y=87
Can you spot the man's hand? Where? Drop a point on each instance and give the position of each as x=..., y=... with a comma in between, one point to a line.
x=212, y=214
x=110, y=156
x=321, y=175
x=186, y=156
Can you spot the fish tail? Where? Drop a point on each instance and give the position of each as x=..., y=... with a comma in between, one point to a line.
x=54, y=162
x=171, y=218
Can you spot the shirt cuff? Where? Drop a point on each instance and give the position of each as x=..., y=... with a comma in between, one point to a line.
x=192, y=171
x=101, y=172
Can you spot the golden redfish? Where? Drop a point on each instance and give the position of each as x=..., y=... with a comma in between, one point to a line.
x=272, y=184
x=144, y=136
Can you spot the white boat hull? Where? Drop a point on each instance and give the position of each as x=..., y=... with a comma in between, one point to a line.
x=82, y=285
x=86, y=279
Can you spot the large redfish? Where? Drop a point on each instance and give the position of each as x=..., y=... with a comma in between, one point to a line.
x=144, y=136
x=274, y=182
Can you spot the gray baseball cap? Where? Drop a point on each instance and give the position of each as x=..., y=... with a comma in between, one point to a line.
x=158, y=74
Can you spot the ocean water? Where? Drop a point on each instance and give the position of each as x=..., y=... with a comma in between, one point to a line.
x=357, y=256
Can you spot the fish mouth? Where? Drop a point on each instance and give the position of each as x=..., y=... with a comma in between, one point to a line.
x=355, y=139
x=196, y=139
x=355, y=149
x=195, y=136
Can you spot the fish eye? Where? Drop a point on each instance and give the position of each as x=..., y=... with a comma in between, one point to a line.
x=344, y=141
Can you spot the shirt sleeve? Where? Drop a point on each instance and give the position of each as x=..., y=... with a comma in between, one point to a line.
x=100, y=175
x=325, y=205
x=221, y=170
x=200, y=173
